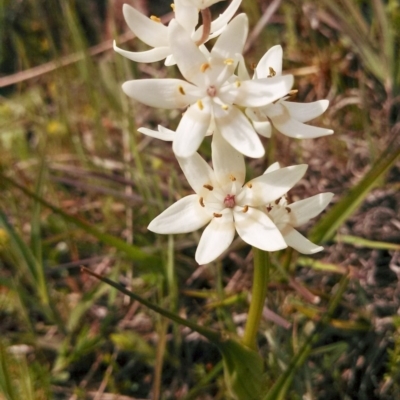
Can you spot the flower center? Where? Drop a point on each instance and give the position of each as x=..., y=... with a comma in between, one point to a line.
x=280, y=212
x=229, y=201
x=212, y=91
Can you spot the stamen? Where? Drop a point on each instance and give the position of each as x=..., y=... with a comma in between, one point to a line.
x=209, y=187
x=204, y=67
x=269, y=208
x=224, y=107
x=155, y=19
x=229, y=61
x=249, y=185
x=278, y=200
x=293, y=92
x=172, y=6
x=288, y=209
x=253, y=66
x=200, y=104
x=201, y=201
x=216, y=215
x=271, y=72
x=245, y=209
x=232, y=178
x=237, y=84
x=181, y=91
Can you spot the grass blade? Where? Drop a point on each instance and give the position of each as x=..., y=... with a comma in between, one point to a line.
x=133, y=252
x=341, y=211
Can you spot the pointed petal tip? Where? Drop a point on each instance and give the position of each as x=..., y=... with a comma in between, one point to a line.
x=328, y=195
x=324, y=104
x=125, y=87
x=202, y=259
x=315, y=250
x=241, y=16
x=277, y=47
x=126, y=7
x=301, y=168
x=152, y=227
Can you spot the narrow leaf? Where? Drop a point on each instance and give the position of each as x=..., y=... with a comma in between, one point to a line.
x=341, y=211
x=133, y=252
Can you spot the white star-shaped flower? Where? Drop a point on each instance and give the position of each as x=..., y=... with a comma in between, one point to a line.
x=287, y=217
x=152, y=32
x=287, y=117
x=226, y=204
x=214, y=94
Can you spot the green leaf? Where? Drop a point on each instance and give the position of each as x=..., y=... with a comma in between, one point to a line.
x=132, y=341
x=210, y=334
x=243, y=370
x=341, y=211
x=243, y=367
x=133, y=252
x=365, y=243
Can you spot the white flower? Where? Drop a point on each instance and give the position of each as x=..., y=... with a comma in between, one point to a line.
x=222, y=201
x=214, y=94
x=287, y=117
x=152, y=32
x=289, y=216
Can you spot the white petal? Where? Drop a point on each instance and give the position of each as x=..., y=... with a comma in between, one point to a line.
x=260, y=122
x=191, y=130
x=163, y=133
x=170, y=60
x=300, y=243
x=226, y=16
x=162, y=93
x=186, y=15
x=263, y=128
x=304, y=112
x=273, y=167
x=257, y=229
x=238, y=131
x=197, y=172
x=242, y=72
x=271, y=186
x=227, y=161
x=232, y=39
x=186, y=215
x=257, y=92
x=186, y=54
x=306, y=209
x=148, y=31
x=156, y=54
x=271, y=59
x=285, y=124
x=215, y=239
x=256, y=114
x=200, y=4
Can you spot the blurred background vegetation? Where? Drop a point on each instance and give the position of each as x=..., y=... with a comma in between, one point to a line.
x=79, y=185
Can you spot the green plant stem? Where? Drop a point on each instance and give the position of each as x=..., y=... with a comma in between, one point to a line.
x=260, y=284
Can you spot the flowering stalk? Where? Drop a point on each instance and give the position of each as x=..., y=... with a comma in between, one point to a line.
x=206, y=15
x=260, y=287
x=221, y=99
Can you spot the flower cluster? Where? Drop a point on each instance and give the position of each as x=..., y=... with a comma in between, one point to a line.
x=221, y=99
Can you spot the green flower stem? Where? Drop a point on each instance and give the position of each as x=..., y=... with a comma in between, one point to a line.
x=260, y=284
